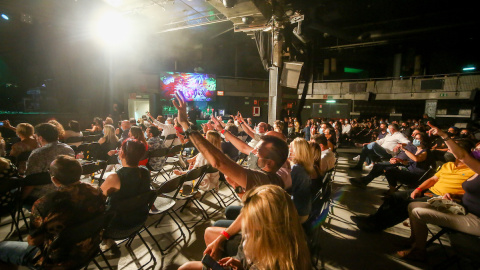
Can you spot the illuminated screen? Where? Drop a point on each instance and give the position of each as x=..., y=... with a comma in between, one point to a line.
x=194, y=86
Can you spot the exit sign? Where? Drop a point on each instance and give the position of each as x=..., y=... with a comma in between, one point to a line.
x=444, y=95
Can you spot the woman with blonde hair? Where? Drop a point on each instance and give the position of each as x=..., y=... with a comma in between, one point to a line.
x=272, y=236
x=303, y=171
x=108, y=142
x=211, y=180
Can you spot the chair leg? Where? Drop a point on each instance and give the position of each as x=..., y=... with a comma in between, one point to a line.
x=105, y=260
x=152, y=257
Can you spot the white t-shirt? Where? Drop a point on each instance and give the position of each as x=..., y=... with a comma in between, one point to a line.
x=391, y=140
x=168, y=129
x=255, y=140
x=328, y=161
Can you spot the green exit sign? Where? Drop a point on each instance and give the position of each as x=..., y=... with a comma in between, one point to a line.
x=444, y=95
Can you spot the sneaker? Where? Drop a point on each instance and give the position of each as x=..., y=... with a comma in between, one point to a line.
x=357, y=158
x=369, y=167
x=107, y=244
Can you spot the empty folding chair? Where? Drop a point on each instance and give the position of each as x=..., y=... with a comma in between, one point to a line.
x=166, y=198
x=173, y=159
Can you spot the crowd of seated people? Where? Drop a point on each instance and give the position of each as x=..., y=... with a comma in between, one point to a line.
x=285, y=162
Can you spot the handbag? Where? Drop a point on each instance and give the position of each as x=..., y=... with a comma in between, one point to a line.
x=447, y=206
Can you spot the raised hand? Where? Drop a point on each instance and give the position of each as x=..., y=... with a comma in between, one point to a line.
x=435, y=130
x=217, y=124
x=181, y=106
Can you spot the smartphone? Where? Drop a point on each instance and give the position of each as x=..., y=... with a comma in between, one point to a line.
x=1, y=124
x=211, y=263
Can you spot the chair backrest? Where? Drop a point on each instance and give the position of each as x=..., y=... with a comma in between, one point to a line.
x=90, y=150
x=158, y=152
x=321, y=200
x=188, y=144
x=175, y=150
x=171, y=138
x=73, y=139
x=133, y=204
x=8, y=194
x=173, y=185
x=23, y=156
x=36, y=179
x=93, y=167
x=196, y=173
x=92, y=138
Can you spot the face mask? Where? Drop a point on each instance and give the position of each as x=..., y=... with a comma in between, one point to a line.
x=450, y=134
x=388, y=130
x=256, y=130
x=463, y=135
x=381, y=122
x=416, y=142
x=476, y=154
x=146, y=135
x=346, y=122
x=416, y=124
x=320, y=131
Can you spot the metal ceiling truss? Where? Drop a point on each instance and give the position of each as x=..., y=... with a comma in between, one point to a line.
x=198, y=21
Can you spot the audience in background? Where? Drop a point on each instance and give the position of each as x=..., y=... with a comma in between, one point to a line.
x=155, y=143
x=382, y=148
x=73, y=131
x=97, y=125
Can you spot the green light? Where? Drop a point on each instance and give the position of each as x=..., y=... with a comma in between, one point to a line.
x=352, y=70
x=469, y=68
x=331, y=101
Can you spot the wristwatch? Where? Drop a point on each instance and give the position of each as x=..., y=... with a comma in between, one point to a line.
x=188, y=132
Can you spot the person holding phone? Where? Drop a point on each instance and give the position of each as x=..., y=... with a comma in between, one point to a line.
x=272, y=236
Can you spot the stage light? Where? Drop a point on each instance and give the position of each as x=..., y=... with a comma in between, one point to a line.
x=229, y=3
x=469, y=68
x=331, y=101
x=5, y=17
x=247, y=19
x=112, y=29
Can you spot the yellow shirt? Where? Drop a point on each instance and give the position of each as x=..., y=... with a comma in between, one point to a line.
x=451, y=179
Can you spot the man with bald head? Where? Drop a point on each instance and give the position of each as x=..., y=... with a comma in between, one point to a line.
x=125, y=129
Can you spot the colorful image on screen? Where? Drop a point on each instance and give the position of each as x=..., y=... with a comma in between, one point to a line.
x=194, y=86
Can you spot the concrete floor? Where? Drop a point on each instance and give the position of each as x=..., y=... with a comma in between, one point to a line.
x=344, y=246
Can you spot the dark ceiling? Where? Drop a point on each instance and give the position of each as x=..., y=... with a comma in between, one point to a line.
x=334, y=25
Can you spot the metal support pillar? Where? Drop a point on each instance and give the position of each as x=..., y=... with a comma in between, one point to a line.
x=275, y=91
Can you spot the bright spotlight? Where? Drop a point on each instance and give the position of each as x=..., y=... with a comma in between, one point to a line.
x=112, y=29
x=5, y=17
